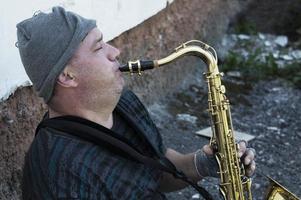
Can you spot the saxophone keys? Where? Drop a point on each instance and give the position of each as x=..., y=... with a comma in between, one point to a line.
x=222, y=89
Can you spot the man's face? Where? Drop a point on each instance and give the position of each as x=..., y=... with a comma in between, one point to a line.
x=96, y=67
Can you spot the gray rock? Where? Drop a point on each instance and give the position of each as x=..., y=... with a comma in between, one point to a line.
x=281, y=40
x=187, y=118
x=267, y=43
x=272, y=128
x=276, y=54
x=286, y=57
x=234, y=74
x=196, y=196
x=243, y=37
x=296, y=54
x=261, y=36
x=271, y=161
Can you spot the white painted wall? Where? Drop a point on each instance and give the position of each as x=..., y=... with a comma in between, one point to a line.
x=113, y=17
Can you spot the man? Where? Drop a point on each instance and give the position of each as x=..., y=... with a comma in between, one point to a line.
x=77, y=74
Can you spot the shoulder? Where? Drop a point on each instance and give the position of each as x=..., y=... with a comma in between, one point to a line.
x=74, y=151
x=57, y=160
x=51, y=145
x=55, y=138
x=59, y=153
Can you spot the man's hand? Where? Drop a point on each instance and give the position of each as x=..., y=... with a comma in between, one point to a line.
x=247, y=156
x=206, y=164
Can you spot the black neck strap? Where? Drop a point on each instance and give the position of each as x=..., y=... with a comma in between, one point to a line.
x=99, y=135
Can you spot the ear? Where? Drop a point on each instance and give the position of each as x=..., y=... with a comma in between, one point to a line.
x=67, y=79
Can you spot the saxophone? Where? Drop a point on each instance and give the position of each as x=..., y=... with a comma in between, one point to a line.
x=234, y=184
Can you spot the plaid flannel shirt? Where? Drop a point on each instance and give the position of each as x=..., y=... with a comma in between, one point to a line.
x=59, y=166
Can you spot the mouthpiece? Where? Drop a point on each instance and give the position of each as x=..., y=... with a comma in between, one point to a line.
x=138, y=66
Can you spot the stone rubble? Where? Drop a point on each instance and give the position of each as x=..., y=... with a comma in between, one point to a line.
x=187, y=118
x=267, y=44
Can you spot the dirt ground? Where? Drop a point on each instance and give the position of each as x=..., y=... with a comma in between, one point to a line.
x=269, y=110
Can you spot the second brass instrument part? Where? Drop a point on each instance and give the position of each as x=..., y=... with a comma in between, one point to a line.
x=234, y=184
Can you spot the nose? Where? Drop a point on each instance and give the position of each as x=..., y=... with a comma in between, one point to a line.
x=113, y=53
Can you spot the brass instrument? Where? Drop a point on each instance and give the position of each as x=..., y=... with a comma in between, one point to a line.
x=278, y=192
x=234, y=184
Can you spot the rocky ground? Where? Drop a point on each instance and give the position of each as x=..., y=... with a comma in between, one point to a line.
x=269, y=109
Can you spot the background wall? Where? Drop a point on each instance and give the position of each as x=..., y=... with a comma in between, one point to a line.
x=113, y=17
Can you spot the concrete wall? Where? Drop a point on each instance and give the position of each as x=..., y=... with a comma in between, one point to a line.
x=156, y=37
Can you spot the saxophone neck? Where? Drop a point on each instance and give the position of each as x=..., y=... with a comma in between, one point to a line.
x=193, y=48
x=190, y=48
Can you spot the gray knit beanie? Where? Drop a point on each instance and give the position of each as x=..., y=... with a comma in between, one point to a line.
x=46, y=43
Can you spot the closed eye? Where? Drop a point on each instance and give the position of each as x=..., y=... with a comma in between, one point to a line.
x=99, y=46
